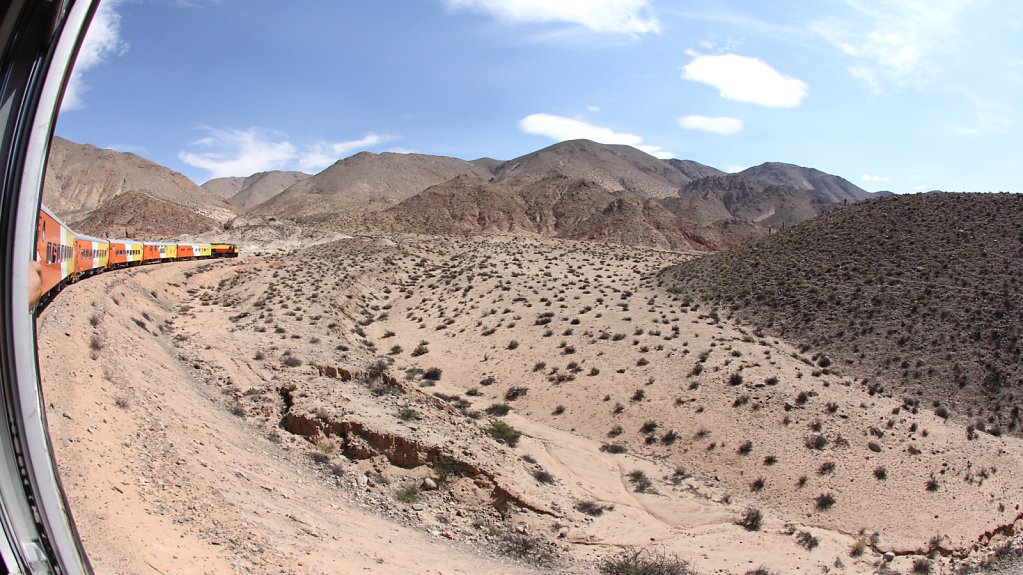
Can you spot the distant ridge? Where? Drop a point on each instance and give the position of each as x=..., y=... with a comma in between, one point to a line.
x=577, y=189
x=585, y=190
x=263, y=186
x=613, y=167
x=830, y=188
x=365, y=182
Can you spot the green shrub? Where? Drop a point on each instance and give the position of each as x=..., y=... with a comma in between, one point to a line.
x=407, y=494
x=501, y=431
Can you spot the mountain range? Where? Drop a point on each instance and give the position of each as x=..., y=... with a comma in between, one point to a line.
x=576, y=189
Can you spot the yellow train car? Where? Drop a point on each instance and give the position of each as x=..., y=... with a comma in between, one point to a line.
x=225, y=250
x=167, y=251
x=203, y=250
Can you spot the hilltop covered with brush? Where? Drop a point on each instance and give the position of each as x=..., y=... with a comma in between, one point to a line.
x=918, y=295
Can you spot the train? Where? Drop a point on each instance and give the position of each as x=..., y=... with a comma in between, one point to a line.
x=66, y=256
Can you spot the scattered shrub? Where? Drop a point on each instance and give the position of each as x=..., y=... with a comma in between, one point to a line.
x=824, y=501
x=806, y=540
x=640, y=482
x=591, y=508
x=543, y=476
x=514, y=393
x=644, y=563
x=528, y=548
x=751, y=519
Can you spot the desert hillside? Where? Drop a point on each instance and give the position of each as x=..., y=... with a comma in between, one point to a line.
x=918, y=297
x=365, y=182
x=556, y=207
x=835, y=189
x=506, y=403
x=613, y=167
x=139, y=216
x=246, y=193
x=81, y=178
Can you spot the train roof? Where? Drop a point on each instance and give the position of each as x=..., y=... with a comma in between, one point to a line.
x=90, y=238
x=50, y=213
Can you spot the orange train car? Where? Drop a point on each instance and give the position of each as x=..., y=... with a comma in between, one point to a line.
x=124, y=253
x=55, y=251
x=150, y=252
x=186, y=251
x=91, y=255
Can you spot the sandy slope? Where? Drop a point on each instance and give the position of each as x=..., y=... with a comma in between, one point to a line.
x=235, y=440
x=173, y=482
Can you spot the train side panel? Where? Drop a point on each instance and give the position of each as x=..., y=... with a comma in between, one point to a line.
x=55, y=247
x=134, y=253
x=186, y=251
x=150, y=252
x=118, y=254
x=204, y=251
x=167, y=251
x=91, y=255
x=225, y=250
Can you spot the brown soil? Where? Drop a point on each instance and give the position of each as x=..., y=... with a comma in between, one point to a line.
x=282, y=414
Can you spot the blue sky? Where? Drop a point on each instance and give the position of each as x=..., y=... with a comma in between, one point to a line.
x=906, y=95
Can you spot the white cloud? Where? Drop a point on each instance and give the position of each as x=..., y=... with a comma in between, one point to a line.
x=900, y=41
x=561, y=128
x=593, y=108
x=990, y=117
x=632, y=17
x=317, y=156
x=102, y=41
x=226, y=153
x=874, y=179
x=720, y=125
x=239, y=153
x=746, y=79
x=735, y=168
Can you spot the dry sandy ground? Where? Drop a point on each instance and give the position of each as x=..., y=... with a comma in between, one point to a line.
x=205, y=422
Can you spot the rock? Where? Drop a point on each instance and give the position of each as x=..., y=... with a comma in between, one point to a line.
x=428, y=484
x=889, y=557
x=418, y=507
